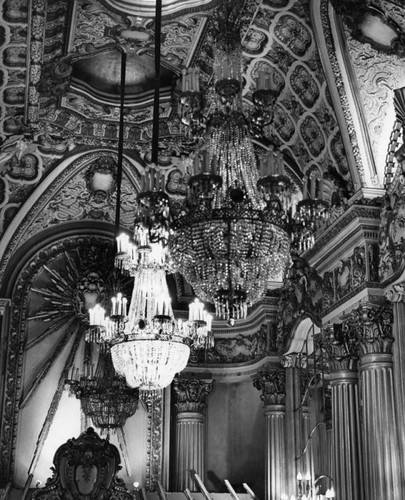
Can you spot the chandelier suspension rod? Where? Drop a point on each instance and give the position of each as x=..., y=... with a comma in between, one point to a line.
x=120, y=139
x=156, y=102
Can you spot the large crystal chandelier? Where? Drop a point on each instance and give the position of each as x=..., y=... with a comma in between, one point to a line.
x=230, y=240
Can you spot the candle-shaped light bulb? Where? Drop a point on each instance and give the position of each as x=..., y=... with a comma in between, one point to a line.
x=307, y=476
x=208, y=320
x=299, y=476
x=119, y=304
x=114, y=306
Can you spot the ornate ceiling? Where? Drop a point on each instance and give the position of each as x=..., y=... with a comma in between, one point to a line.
x=60, y=89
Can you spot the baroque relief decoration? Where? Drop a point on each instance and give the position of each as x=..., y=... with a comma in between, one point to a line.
x=367, y=328
x=283, y=41
x=301, y=296
x=234, y=350
x=377, y=75
x=190, y=394
x=48, y=323
x=70, y=198
x=272, y=384
x=86, y=465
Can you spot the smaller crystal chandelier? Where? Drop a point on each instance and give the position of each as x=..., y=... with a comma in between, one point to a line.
x=154, y=345
x=104, y=397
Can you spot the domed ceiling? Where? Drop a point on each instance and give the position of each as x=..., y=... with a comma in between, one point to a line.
x=73, y=73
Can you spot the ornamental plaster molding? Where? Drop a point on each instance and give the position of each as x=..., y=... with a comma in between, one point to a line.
x=377, y=75
x=4, y=305
x=373, y=328
x=341, y=89
x=272, y=384
x=190, y=394
x=154, y=448
x=340, y=343
x=34, y=215
x=396, y=293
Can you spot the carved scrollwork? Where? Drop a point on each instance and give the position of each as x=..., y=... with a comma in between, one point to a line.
x=396, y=293
x=340, y=344
x=272, y=385
x=190, y=395
x=85, y=467
x=373, y=328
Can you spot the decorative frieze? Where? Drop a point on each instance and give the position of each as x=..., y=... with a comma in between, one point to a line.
x=190, y=395
x=272, y=384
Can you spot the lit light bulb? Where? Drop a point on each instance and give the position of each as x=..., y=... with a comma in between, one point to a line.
x=299, y=476
x=307, y=476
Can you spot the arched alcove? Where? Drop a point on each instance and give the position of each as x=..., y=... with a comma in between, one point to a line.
x=45, y=267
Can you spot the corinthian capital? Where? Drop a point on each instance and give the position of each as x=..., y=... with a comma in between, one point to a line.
x=340, y=342
x=190, y=394
x=373, y=327
x=272, y=385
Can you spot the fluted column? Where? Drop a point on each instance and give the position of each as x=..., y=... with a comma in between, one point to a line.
x=272, y=385
x=396, y=295
x=293, y=364
x=189, y=397
x=341, y=345
x=379, y=432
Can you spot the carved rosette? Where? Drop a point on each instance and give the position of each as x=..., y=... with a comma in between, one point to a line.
x=340, y=343
x=272, y=385
x=190, y=395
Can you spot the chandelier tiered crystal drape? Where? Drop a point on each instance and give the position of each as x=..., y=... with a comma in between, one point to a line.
x=231, y=240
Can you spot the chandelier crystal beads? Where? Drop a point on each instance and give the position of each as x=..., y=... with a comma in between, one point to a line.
x=230, y=240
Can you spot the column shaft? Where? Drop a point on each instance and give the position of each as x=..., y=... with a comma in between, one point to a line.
x=190, y=449
x=346, y=446
x=189, y=397
x=399, y=375
x=380, y=433
x=275, y=452
x=294, y=424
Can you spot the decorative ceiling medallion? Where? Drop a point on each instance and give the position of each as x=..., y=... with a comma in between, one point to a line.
x=146, y=8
